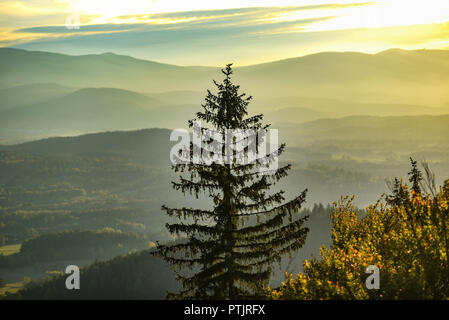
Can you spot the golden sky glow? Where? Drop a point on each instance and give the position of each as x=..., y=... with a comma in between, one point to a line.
x=32, y=24
x=379, y=14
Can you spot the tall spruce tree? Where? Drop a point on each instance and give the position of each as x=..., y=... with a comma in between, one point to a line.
x=230, y=249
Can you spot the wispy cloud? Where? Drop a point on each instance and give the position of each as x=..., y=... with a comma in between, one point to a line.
x=230, y=17
x=247, y=35
x=179, y=26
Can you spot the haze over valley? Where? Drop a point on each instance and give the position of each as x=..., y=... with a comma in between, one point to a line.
x=86, y=118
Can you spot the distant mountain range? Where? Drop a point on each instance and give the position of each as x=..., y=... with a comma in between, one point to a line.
x=20, y=67
x=45, y=94
x=371, y=128
x=328, y=74
x=88, y=110
x=154, y=144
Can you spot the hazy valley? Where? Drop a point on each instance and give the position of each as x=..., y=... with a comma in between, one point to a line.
x=84, y=146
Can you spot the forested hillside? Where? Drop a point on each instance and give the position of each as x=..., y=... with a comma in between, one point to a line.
x=85, y=168
x=142, y=276
x=136, y=276
x=75, y=245
x=112, y=92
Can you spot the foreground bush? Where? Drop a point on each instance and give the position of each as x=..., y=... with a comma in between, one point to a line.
x=405, y=235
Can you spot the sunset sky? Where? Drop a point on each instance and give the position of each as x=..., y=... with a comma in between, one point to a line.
x=199, y=32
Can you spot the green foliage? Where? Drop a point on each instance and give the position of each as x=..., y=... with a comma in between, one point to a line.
x=230, y=253
x=415, y=177
x=406, y=236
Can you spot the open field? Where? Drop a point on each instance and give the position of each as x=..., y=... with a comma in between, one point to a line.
x=11, y=288
x=10, y=249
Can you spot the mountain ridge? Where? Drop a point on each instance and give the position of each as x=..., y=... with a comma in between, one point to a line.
x=106, y=54
x=418, y=77
x=110, y=92
x=141, y=135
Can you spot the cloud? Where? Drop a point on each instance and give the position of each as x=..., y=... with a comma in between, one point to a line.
x=150, y=34
x=172, y=27
x=254, y=11
x=214, y=37
x=208, y=42
x=255, y=15
x=84, y=29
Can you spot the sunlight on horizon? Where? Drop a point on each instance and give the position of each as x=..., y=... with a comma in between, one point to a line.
x=276, y=29
x=377, y=13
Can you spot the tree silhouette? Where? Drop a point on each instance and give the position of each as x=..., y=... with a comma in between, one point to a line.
x=230, y=249
x=415, y=176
